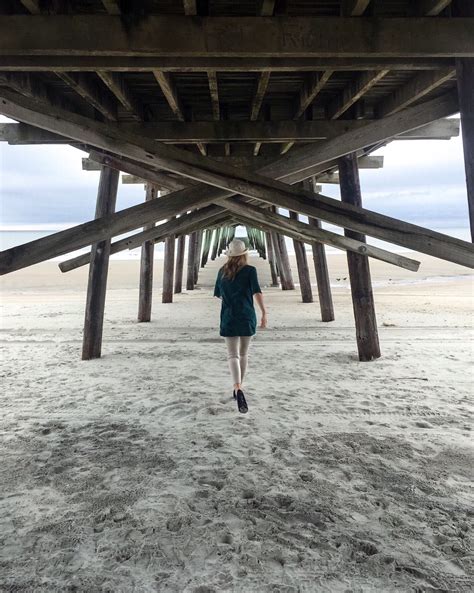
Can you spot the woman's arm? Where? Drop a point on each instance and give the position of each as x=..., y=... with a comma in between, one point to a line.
x=259, y=298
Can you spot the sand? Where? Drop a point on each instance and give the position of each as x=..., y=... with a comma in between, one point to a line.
x=136, y=473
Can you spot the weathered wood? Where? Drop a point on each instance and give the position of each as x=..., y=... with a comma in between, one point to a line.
x=168, y=269
x=190, y=7
x=118, y=87
x=432, y=7
x=192, y=248
x=271, y=259
x=112, y=6
x=197, y=256
x=322, y=277
x=465, y=78
x=235, y=131
x=353, y=92
x=359, y=270
x=286, y=275
x=302, y=265
x=178, y=275
x=88, y=63
x=186, y=223
x=414, y=90
x=260, y=91
x=354, y=7
x=33, y=6
x=91, y=92
x=98, y=270
x=230, y=37
x=145, y=294
x=214, y=92
x=303, y=232
x=254, y=185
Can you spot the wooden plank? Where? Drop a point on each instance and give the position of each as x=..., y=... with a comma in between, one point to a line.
x=214, y=92
x=353, y=92
x=465, y=82
x=265, y=7
x=182, y=225
x=260, y=91
x=98, y=270
x=33, y=6
x=304, y=232
x=311, y=89
x=232, y=180
x=57, y=35
x=359, y=270
x=112, y=6
x=432, y=7
x=413, y=90
x=234, y=131
x=145, y=294
x=190, y=7
x=354, y=7
x=89, y=91
x=169, y=91
x=88, y=63
x=117, y=86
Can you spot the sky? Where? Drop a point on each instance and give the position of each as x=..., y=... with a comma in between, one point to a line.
x=422, y=181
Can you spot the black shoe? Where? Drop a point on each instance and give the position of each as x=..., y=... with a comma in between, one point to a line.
x=233, y=394
x=241, y=403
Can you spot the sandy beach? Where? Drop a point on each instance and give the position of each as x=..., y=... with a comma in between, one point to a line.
x=136, y=473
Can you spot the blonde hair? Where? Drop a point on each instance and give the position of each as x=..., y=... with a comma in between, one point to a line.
x=233, y=265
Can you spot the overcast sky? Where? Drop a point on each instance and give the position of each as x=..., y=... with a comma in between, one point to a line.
x=422, y=181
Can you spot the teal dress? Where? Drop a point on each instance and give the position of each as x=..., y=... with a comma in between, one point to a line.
x=238, y=316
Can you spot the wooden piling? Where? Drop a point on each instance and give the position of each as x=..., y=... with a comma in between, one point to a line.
x=465, y=81
x=178, y=275
x=271, y=259
x=146, y=267
x=197, y=256
x=322, y=276
x=98, y=268
x=192, y=245
x=286, y=276
x=168, y=269
x=359, y=270
x=302, y=265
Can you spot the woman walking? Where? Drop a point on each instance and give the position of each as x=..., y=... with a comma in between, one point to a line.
x=236, y=285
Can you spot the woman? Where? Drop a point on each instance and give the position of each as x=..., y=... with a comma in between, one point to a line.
x=236, y=285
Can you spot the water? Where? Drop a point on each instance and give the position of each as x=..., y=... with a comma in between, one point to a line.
x=14, y=235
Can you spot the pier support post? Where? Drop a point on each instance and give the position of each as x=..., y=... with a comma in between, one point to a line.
x=271, y=259
x=178, y=275
x=168, y=269
x=197, y=256
x=302, y=265
x=359, y=270
x=286, y=277
x=146, y=266
x=321, y=268
x=192, y=245
x=465, y=82
x=98, y=268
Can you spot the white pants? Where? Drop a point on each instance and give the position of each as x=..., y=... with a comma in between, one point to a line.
x=237, y=355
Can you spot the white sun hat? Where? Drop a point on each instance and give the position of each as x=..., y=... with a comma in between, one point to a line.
x=236, y=248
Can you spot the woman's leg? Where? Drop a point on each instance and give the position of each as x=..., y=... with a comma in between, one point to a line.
x=233, y=359
x=243, y=351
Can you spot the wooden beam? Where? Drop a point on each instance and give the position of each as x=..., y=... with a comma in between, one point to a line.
x=353, y=92
x=233, y=131
x=88, y=63
x=414, y=90
x=112, y=6
x=145, y=294
x=182, y=225
x=465, y=82
x=311, y=89
x=33, y=6
x=98, y=271
x=259, y=95
x=90, y=91
x=304, y=232
x=190, y=7
x=178, y=274
x=230, y=180
x=169, y=91
x=354, y=7
x=302, y=266
x=214, y=92
x=359, y=270
x=168, y=269
x=192, y=249
x=117, y=86
x=432, y=7
x=285, y=37
x=265, y=7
